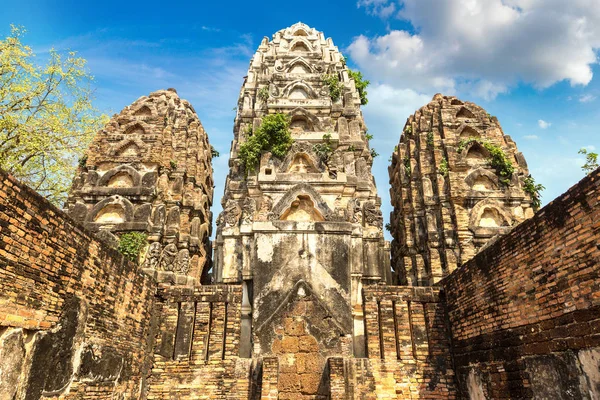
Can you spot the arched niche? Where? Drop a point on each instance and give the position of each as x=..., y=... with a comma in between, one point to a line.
x=304, y=118
x=112, y=210
x=299, y=66
x=297, y=201
x=489, y=213
x=482, y=180
x=300, y=45
x=300, y=32
x=464, y=112
x=302, y=164
x=299, y=90
x=468, y=131
x=300, y=124
x=491, y=218
x=135, y=129
x=121, y=176
x=143, y=111
x=302, y=209
x=304, y=150
x=298, y=93
x=111, y=214
x=476, y=154
x=131, y=149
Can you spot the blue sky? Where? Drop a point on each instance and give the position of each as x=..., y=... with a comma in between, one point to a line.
x=532, y=63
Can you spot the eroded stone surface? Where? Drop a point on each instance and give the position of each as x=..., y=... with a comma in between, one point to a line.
x=149, y=170
x=448, y=201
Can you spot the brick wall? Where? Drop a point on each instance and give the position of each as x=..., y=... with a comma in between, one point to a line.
x=407, y=348
x=525, y=312
x=74, y=315
x=197, y=346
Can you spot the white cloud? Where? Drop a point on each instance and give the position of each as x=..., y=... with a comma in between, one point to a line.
x=531, y=137
x=381, y=8
x=590, y=148
x=587, y=98
x=543, y=124
x=482, y=47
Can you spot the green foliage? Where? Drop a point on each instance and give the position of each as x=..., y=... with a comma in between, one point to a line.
x=534, y=190
x=47, y=119
x=497, y=158
x=443, y=168
x=351, y=148
x=430, y=138
x=82, y=161
x=388, y=227
x=407, y=167
x=591, y=161
x=131, y=244
x=173, y=164
x=368, y=136
x=361, y=85
x=374, y=153
x=335, y=86
x=324, y=150
x=272, y=135
x=214, y=152
x=263, y=94
x=408, y=130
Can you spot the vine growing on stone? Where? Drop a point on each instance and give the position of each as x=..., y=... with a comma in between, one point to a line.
x=272, y=135
x=131, y=244
x=497, y=158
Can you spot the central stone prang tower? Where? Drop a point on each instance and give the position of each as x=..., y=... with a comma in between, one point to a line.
x=303, y=228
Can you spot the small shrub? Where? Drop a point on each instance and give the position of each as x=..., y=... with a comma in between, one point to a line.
x=351, y=148
x=131, y=244
x=173, y=164
x=368, y=136
x=534, y=190
x=324, y=150
x=430, y=138
x=214, y=152
x=335, y=86
x=443, y=168
x=591, y=161
x=408, y=130
x=361, y=85
x=263, y=94
x=407, y=167
x=272, y=135
x=374, y=153
x=388, y=227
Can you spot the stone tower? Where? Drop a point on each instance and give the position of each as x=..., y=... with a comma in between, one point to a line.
x=149, y=170
x=301, y=227
x=449, y=197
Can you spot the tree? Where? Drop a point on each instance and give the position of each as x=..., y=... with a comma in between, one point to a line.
x=591, y=161
x=46, y=116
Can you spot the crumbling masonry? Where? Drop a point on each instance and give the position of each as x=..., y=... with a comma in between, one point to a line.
x=480, y=298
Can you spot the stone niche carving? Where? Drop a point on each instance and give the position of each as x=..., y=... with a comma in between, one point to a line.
x=302, y=209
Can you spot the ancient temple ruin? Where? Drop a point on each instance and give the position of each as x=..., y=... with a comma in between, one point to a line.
x=480, y=299
x=312, y=217
x=149, y=170
x=449, y=201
